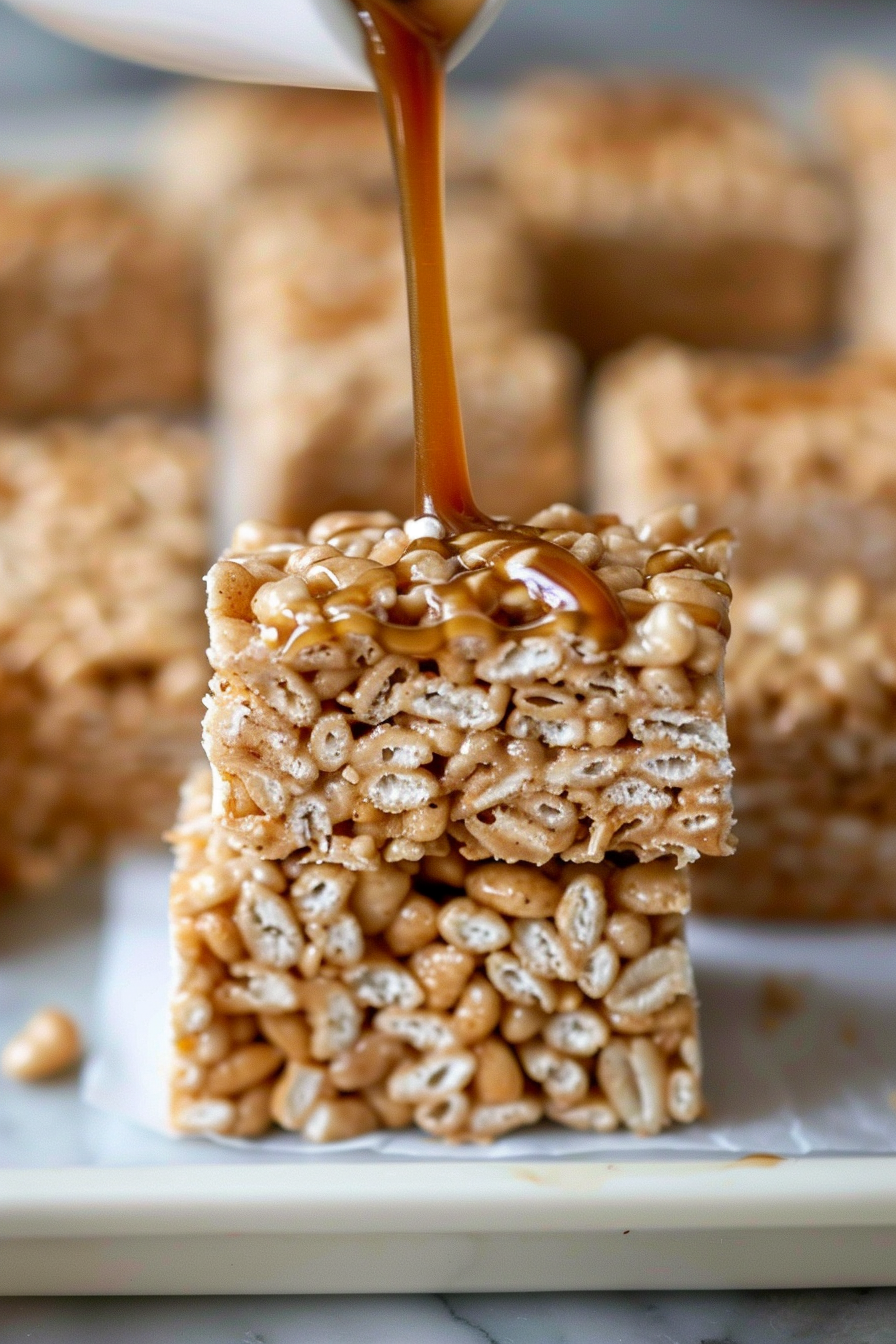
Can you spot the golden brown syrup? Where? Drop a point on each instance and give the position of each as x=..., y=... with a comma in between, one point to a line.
x=407, y=41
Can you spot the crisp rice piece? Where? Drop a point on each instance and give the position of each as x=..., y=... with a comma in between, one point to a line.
x=469, y=999
x=102, y=540
x=99, y=304
x=811, y=705
x=669, y=207
x=312, y=365
x=801, y=463
x=521, y=750
x=218, y=138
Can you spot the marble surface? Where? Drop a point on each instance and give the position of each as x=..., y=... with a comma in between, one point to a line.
x=847, y=1317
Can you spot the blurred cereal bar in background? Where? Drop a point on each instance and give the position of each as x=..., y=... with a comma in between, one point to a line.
x=312, y=383
x=444, y=888
x=670, y=208
x=801, y=462
x=860, y=103
x=804, y=464
x=217, y=138
x=99, y=304
x=102, y=544
x=811, y=704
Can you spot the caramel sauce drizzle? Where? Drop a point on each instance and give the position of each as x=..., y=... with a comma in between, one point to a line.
x=407, y=42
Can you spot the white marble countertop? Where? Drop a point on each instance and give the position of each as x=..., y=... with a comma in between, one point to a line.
x=851, y=1316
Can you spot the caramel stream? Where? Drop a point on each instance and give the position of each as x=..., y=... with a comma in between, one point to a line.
x=407, y=42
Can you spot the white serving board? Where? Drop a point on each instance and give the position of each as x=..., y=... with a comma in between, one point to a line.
x=449, y=1227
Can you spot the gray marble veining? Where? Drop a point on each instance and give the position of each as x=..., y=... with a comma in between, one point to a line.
x=841, y=1317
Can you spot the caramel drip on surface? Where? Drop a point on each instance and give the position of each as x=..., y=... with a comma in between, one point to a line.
x=504, y=574
x=407, y=41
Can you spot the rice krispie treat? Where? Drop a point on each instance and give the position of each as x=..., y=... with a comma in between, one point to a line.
x=102, y=539
x=666, y=207
x=527, y=748
x=469, y=999
x=312, y=368
x=438, y=875
x=861, y=107
x=811, y=704
x=802, y=463
x=99, y=304
x=217, y=138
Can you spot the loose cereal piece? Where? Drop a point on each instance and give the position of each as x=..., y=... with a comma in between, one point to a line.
x=102, y=542
x=665, y=207
x=312, y=360
x=357, y=1048
x=49, y=1043
x=802, y=463
x=99, y=304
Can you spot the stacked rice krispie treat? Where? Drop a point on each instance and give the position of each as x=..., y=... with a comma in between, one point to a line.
x=447, y=887
x=861, y=107
x=312, y=364
x=218, y=138
x=665, y=207
x=102, y=541
x=99, y=304
x=804, y=465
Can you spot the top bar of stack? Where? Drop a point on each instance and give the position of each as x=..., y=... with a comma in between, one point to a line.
x=333, y=748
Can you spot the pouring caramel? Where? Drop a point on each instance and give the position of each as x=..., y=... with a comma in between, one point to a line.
x=407, y=43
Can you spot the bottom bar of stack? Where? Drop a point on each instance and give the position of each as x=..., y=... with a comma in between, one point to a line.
x=469, y=999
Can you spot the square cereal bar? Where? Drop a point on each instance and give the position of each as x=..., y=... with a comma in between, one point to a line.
x=325, y=743
x=667, y=207
x=99, y=304
x=802, y=463
x=102, y=542
x=312, y=366
x=467, y=998
x=218, y=138
x=811, y=704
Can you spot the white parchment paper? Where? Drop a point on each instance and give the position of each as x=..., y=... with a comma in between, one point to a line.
x=798, y=1025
